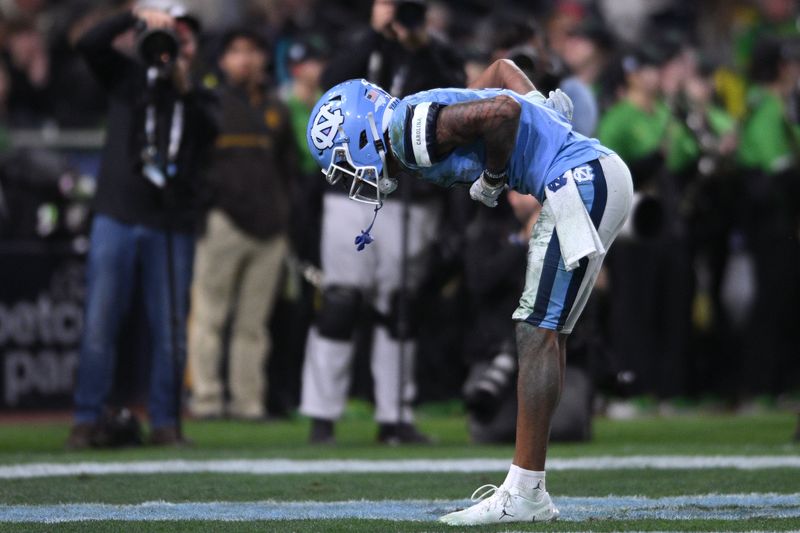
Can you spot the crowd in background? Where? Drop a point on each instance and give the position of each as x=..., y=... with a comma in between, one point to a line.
x=701, y=99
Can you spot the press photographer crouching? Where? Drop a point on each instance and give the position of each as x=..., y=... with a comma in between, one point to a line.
x=495, y=255
x=159, y=128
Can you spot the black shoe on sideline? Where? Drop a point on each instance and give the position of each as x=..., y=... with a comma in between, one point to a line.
x=168, y=436
x=321, y=432
x=81, y=436
x=403, y=433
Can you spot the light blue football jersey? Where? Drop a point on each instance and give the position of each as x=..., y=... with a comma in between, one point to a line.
x=546, y=145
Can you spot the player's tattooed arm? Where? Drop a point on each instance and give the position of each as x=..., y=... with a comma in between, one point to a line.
x=503, y=74
x=495, y=120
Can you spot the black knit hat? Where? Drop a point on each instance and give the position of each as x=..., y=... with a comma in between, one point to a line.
x=243, y=33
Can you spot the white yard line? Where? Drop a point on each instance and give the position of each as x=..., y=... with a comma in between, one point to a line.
x=289, y=466
x=573, y=509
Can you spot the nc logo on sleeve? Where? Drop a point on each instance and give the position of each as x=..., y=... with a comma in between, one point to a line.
x=325, y=126
x=557, y=183
x=581, y=174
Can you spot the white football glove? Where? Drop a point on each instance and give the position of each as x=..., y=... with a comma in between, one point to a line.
x=559, y=101
x=484, y=193
x=536, y=97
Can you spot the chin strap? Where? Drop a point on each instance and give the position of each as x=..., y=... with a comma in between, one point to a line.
x=365, y=238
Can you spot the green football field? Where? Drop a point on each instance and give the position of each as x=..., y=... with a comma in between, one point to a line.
x=682, y=473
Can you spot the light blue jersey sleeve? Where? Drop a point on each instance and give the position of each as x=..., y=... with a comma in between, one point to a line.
x=584, y=118
x=546, y=145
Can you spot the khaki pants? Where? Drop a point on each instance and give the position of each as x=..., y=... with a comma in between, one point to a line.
x=232, y=268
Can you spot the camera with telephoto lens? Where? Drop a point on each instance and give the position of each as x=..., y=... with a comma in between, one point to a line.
x=545, y=71
x=157, y=47
x=489, y=384
x=647, y=219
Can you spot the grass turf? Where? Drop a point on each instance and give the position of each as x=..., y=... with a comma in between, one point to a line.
x=385, y=526
x=120, y=489
x=683, y=435
x=690, y=435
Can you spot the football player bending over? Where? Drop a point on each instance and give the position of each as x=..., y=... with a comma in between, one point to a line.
x=498, y=133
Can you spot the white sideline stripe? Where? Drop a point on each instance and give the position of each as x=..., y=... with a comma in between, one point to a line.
x=573, y=509
x=289, y=466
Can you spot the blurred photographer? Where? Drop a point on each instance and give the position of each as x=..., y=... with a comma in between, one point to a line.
x=642, y=129
x=398, y=53
x=710, y=192
x=496, y=250
x=160, y=126
x=520, y=39
x=770, y=154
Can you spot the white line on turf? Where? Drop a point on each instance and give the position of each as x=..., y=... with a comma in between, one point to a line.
x=573, y=509
x=288, y=466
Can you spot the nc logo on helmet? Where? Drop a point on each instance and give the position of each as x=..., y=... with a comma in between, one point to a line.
x=326, y=125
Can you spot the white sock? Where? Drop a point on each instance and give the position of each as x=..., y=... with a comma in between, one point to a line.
x=525, y=481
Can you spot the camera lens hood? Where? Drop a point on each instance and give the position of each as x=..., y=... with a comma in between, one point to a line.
x=158, y=47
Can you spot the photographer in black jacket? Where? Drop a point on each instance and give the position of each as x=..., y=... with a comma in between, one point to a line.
x=159, y=128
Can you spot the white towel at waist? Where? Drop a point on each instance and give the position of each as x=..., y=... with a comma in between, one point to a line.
x=577, y=235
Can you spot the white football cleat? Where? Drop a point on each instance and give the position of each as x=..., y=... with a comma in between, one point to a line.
x=498, y=505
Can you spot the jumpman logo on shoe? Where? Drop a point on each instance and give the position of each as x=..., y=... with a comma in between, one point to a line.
x=505, y=514
x=538, y=486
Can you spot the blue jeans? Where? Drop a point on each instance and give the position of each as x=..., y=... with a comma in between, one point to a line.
x=124, y=258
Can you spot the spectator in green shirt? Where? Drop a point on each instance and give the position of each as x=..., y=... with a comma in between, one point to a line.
x=635, y=126
x=710, y=140
x=776, y=18
x=306, y=62
x=640, y=127
x=770, y=140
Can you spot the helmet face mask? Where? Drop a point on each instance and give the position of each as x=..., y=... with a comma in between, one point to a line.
x=362, y=180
